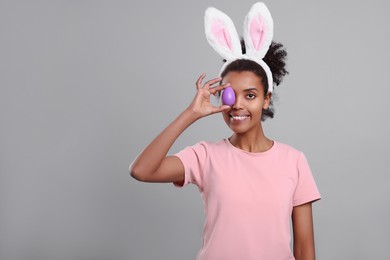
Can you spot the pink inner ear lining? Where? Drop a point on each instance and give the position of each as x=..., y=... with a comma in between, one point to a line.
x=218, y=28
x=257, y=31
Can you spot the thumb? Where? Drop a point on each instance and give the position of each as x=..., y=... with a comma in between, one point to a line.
x=221, y=108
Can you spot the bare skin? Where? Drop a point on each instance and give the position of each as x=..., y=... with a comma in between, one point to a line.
x=248, y=134
x=303, y=231
x=153, y=164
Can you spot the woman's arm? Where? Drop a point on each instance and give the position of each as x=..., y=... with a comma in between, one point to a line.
x=302, y=220
x=153, y=164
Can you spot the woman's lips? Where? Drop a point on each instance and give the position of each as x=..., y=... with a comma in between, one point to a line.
x=238, y=117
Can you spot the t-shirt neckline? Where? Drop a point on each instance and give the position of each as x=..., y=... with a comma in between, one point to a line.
x=254, y=154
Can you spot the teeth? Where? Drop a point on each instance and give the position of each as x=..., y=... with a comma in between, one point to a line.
x=239, y=117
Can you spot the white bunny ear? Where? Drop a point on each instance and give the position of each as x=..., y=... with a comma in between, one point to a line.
x=222, y=34
x=258, y=30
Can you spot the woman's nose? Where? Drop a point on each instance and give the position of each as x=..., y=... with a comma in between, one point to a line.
x=238, y=103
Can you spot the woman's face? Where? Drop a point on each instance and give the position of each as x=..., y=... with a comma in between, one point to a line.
x=245, y=114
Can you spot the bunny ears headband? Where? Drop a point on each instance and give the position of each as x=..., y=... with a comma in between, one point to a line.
x=258, y=32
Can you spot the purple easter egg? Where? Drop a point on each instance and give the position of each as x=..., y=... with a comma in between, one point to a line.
x=228, y=96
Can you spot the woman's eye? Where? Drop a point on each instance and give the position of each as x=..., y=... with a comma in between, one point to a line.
x=251, y=96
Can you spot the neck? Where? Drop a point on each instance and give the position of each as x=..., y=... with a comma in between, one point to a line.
x=253, y=141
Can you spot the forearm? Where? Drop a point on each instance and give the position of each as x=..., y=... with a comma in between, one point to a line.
x=151, y=157
x=304, y=252
x=303, y=232
x=150, y=164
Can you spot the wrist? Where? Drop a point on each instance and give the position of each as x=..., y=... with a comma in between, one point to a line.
x=191, y=115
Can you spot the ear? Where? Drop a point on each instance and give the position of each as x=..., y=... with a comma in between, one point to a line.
x=222, y=34
x=258, y=30
x=267, y=100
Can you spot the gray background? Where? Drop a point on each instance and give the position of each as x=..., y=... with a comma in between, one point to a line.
x=85, y=85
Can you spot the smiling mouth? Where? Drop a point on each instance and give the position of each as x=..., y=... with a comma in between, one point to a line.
x=238, y=118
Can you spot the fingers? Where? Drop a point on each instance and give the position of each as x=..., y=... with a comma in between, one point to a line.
x=212, y=82
x=220, y=108
x=208, y=83
x=199, y=81
x=218, y=88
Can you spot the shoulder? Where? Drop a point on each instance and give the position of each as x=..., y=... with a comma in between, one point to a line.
x=207, y=146
x=286, y=147
x=211, y=144
x=288, y=151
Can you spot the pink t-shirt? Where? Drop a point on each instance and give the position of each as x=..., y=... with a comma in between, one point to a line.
x=248, y=198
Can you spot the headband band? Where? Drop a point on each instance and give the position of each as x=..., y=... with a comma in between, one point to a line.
x=258, y=32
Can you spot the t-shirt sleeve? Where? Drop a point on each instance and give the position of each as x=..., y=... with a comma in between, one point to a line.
x=194, y=160
x=306, y=189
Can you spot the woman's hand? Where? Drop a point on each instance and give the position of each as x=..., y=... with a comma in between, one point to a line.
x=201, y=105
x=153, y=164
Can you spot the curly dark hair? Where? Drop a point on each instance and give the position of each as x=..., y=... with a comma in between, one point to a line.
x=276, y=61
